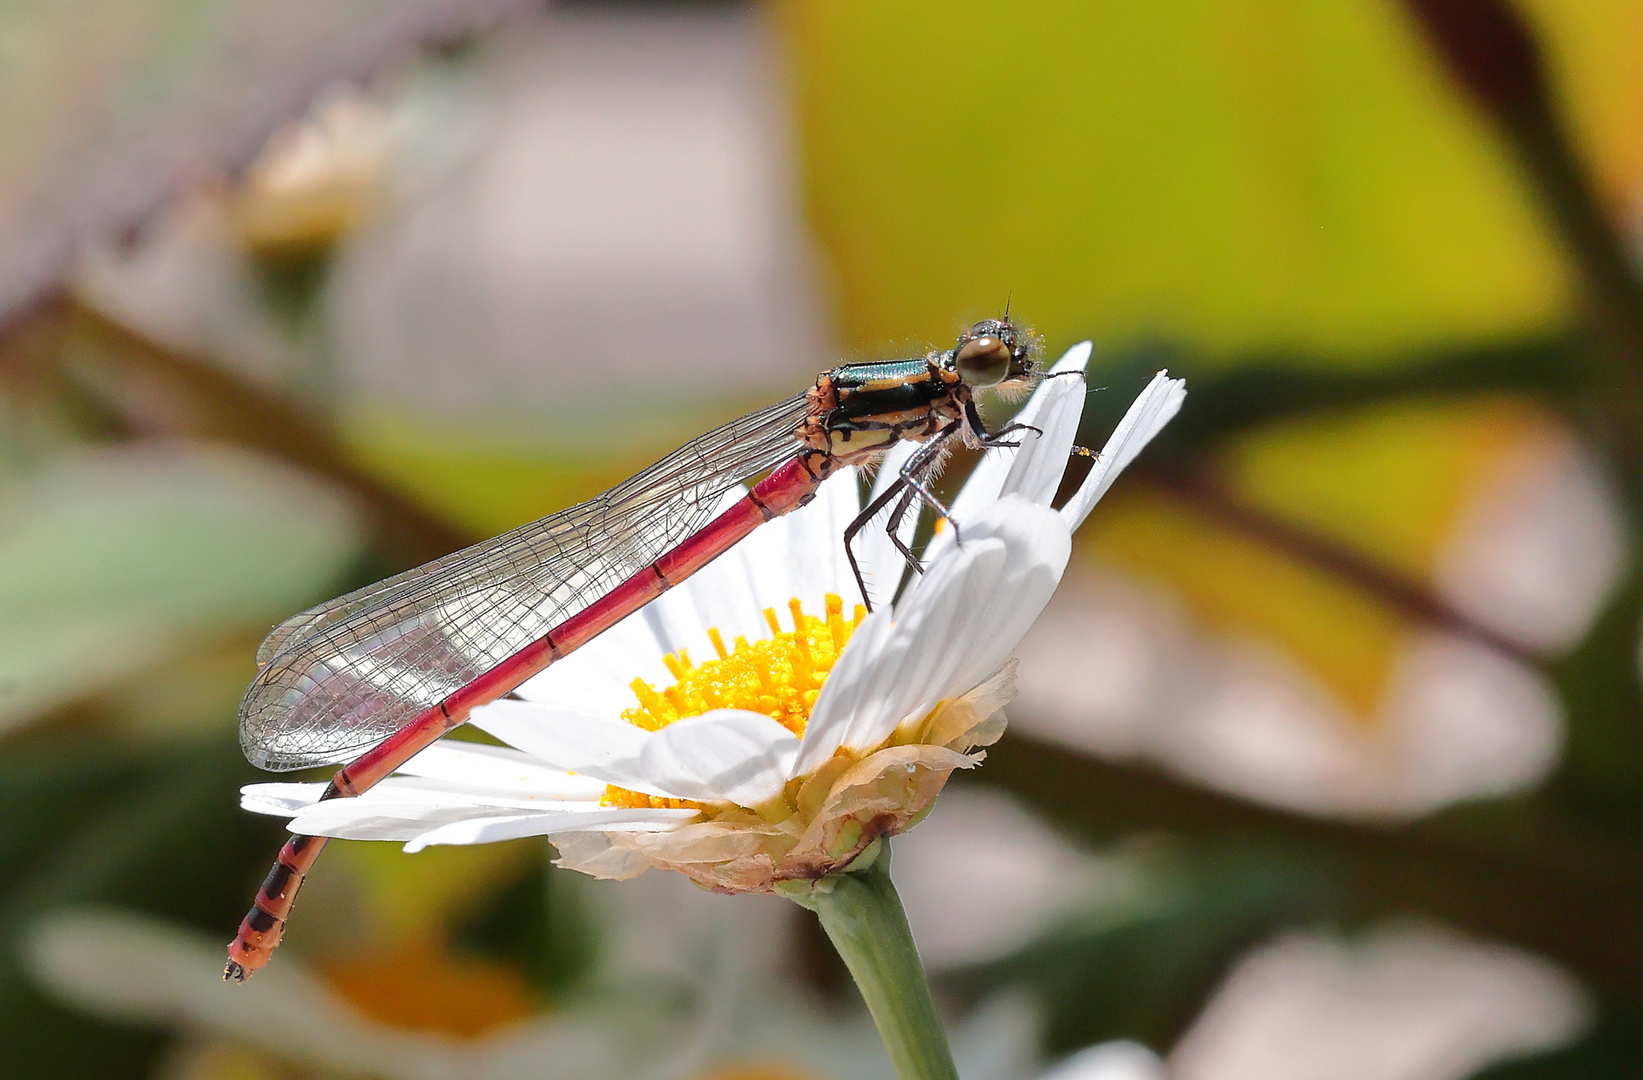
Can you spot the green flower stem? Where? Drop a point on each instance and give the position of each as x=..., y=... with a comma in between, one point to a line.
x=863, y=916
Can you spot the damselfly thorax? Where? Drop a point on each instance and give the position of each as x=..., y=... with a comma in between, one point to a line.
x=857, y=412
x=386, y=670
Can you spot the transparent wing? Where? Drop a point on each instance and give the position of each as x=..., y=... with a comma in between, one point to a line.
x=341, y=677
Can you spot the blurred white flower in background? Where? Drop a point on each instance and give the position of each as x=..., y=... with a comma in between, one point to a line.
x=597, y=212
x=1539, y=547
x=697, y=987
x=1399, y=1003
x=1119, y=1060
x=1119, y=668
x=630, y=228
x=983, y=876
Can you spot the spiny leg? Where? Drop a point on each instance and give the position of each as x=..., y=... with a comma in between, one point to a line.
x=990, y=440
x=920, y=461
x=856, y=526
x=915, y=474
x=892, y=528
x=918, y=485
x=994, y=440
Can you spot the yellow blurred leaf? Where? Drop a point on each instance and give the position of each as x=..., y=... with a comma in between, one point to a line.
x=407, y=897
x=1386, y=481
x=1390, y=483
x=1244, y=588
x=1241, y=174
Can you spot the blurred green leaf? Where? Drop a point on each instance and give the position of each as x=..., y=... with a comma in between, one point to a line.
x=113, y=560
x=150, y=831
x=538, y=924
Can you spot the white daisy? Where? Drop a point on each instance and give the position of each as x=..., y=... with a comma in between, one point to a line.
x=814, y=729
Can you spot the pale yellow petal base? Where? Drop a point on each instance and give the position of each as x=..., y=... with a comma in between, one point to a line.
x=828, y=818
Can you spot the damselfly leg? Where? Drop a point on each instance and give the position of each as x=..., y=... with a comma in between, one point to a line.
x=913, y=484
x=909, y=485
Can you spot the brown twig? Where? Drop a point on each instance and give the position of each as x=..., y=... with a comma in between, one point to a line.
x=1521, y=874
x=1490, y=51
x=148, y=389
x=1196, y=489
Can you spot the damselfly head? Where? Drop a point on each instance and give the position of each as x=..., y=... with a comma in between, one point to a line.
x=995, y=353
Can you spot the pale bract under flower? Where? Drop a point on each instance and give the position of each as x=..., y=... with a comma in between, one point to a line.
x=822, y=728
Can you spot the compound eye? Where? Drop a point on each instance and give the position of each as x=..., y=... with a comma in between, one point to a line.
x=983, y=361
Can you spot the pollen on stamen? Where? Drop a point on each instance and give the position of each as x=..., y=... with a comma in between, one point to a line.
x=835, y=619
x=780, y=676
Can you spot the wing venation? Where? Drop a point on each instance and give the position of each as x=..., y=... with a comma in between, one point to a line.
x=342, y=676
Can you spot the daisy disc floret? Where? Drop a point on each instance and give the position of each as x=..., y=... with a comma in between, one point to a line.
x=757, y=725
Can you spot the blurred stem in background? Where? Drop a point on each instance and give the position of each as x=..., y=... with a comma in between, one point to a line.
x=127, y=385
x=1516, y=871
x=1492, y=53
x=1397, y=591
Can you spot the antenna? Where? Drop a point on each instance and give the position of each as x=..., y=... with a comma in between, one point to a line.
x=1007, y=298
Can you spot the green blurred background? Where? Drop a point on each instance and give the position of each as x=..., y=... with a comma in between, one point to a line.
x=1328, y=760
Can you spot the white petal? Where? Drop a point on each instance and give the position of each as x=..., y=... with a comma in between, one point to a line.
x=907, y=674
x=796, y=556
x=596, y=678
x=1003, y=610
x=729, y=755
x=279, y=799
x=1076, y=358
x=1042, y=459
x=497, y=767
x=957, y=625
x=799, y=555
x=384, y=819
x=605, y=748
x=671, y=619
x=1146, y=417
x=986, y=481
x=840, y=695
x=728, y=499
x=724, y=596
x=421, y=788
x=492, y=830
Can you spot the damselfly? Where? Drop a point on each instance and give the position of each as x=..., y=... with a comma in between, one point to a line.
x=386, y=670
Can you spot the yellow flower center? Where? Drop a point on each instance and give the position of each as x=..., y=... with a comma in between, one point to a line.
x=779, y=676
